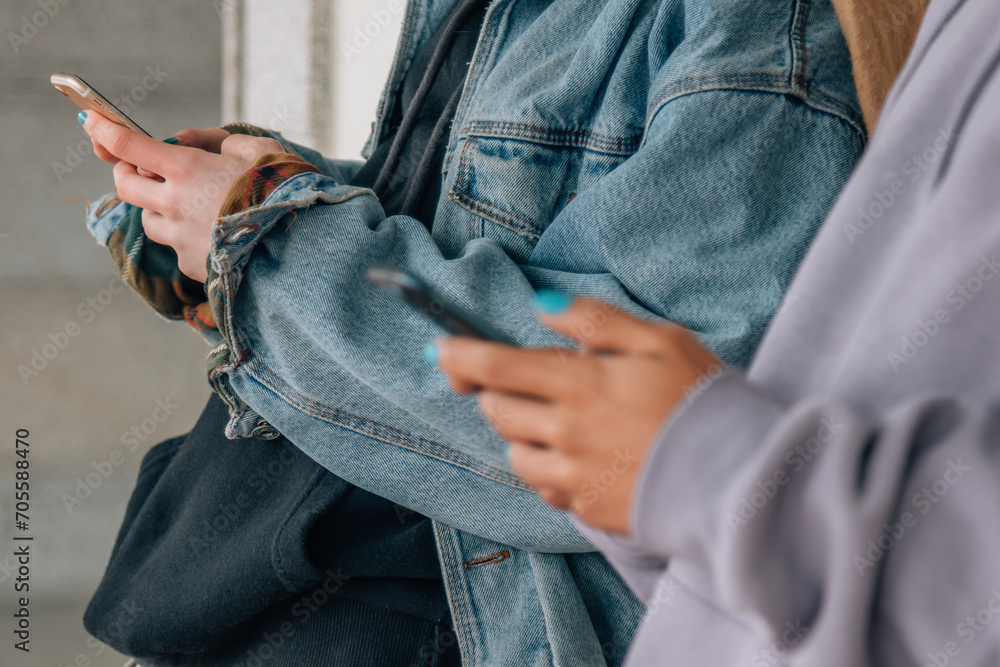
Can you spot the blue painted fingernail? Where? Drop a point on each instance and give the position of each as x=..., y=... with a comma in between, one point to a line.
x=172, y=140
x=82, y=117
x=553, y=303
x=431, y=354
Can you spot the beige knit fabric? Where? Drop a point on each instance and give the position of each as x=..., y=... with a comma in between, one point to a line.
x=880, y=34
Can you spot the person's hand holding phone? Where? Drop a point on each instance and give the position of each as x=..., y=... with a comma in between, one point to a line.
x=180, y=209
x=207, y=139
x=575, y=417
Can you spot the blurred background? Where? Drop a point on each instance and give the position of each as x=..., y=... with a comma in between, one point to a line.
x=312, y=69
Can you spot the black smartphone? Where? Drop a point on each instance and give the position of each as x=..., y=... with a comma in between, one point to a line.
x=413, y=291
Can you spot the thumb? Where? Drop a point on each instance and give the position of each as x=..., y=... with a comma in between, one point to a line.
x=207, y=139
x=600, y=327
x=250, y=148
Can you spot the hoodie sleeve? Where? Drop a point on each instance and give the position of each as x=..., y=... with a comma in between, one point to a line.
x=810, y=513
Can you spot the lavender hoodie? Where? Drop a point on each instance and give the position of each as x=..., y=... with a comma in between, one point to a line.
x=839, y=504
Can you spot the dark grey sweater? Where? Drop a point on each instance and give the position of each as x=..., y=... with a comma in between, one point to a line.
x=839, y=504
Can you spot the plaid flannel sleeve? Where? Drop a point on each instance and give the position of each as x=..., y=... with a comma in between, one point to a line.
x=150, y=269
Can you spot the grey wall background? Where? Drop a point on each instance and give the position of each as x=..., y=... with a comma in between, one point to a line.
x=109, y=378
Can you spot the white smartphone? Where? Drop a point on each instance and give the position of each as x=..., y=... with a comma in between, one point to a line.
x=88, y=99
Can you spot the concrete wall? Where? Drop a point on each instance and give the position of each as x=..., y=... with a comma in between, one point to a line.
x=311, y=68
x=106, y=379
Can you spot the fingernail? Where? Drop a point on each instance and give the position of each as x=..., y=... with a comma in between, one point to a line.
x=172, y=140
x=431, y=354
x=553, y=303
x=82, y=117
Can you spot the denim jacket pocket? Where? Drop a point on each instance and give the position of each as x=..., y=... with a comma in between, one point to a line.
x=494, y=173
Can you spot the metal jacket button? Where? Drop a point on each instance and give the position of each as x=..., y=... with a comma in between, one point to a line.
x=265, y=431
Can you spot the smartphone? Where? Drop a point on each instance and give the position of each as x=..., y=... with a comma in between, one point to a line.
x=413, y=291
x=88, y=99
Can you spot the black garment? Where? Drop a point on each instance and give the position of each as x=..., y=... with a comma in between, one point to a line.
x=212, y=567
x=223, y=539
x=405, y=168
x=394, y=534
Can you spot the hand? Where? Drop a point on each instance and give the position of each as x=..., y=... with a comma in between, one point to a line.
x=178, y=211
x=580, y=423
x=208, y=139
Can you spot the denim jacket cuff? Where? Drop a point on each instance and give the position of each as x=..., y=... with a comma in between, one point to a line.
x=269, y=173
x=234, y=238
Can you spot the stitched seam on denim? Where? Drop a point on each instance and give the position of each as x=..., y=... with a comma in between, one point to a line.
x=380, y=431
x=800, y=22
x=472, y=79
x=823, y=102
x=763, y=82
x=586, y=139
x=460, y=193
x=463, y=603
x=545, y=623
x=496, y=215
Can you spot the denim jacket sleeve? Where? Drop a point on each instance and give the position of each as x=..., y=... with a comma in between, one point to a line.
x=703, y=225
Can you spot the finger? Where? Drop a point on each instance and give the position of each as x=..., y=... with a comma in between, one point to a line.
x=102, y=153
x=519, y=419
x=555, y=497
x=137, y=190
x=545, y=373
x=541, y=468
x=148, y=174
x=250, y=148
x=207, y=139
x=600, y=327
x=157, y=227
x=131, y=146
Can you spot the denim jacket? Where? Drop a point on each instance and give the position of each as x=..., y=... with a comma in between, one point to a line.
x=673, y=157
